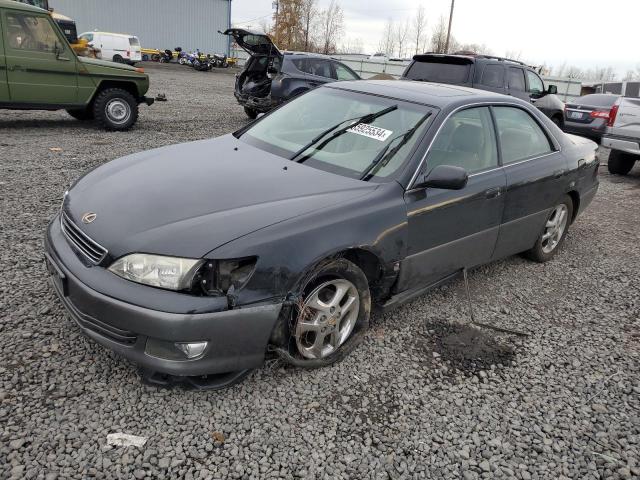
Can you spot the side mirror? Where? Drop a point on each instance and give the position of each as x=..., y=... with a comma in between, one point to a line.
x=446, y=177
x=552, y=90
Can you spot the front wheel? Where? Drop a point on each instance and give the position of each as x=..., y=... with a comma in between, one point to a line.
x=554, y=232
x=336, y=304
x=620, y=163
x=115, y=109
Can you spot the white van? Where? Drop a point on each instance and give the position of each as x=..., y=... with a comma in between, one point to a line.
x=118, y=47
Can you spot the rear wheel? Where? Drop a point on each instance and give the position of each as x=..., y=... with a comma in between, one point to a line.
x=554, y=232
x=82, y=114
x=118, y=59
x=620, y=163
x=115, y=109
x=336, y=304
x=558, y=120
x=251, y=113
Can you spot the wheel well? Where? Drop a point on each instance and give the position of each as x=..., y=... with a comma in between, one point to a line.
x=575, y=198
x=368, y=262
x=128, y=86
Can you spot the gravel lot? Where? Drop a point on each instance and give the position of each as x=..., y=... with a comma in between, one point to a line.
x=563, y=402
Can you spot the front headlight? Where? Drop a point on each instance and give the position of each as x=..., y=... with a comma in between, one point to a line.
x=157, y=271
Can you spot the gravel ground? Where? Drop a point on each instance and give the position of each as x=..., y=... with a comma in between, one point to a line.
x=410, y=402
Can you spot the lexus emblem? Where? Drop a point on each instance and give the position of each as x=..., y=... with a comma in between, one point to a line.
x=88, y=217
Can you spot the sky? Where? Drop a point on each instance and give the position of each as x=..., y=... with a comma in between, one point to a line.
x=584, y=33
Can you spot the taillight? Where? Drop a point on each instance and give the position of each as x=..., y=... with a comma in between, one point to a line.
x=128, y=53
x=613, y=114
x=600, y=114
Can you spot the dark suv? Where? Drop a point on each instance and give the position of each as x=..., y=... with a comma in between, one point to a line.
x=271, y=77
x=495, y=74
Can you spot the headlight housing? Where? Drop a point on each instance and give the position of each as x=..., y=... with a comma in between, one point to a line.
x=172, y=273
x=222, y=277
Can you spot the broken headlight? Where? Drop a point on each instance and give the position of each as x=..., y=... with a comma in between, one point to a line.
x=221, y=277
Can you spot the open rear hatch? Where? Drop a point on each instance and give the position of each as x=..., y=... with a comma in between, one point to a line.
x=255, y=80
x=254, y=43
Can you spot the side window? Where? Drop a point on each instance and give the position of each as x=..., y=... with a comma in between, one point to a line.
x=300, y=64
x=516, y=79
x=535, y=83
x=320, y=68
x=520, y=135
x=466, y=140
x=493, y=76
x=344, y=73
x=30, y=32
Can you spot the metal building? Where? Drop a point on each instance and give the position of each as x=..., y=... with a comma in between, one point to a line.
x=161, y=24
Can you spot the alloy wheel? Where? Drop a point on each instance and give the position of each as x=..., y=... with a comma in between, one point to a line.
x=327, y=318
x=555, y=227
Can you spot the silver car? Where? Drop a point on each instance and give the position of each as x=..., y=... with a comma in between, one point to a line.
x=623, y=135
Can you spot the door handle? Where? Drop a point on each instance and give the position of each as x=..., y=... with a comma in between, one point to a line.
x=16, y=67
x=493, y=192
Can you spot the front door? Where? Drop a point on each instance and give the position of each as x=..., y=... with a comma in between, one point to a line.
x=453, y=229
x=41, y=68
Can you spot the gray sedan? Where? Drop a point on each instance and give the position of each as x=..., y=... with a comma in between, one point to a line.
x=279, y=239
x=589, y=115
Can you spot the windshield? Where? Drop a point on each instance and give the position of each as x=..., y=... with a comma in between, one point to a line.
x=298, y=123
x=44, y=4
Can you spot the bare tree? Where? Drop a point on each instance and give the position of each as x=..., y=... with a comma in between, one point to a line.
x=439, y=36
x=287, y=22
x=309, y=14
x=332, y=26
x=419, y=28
x=477, y=48
x=388, y=42
x=514, y=54
x=402, y=32
x=352, y=45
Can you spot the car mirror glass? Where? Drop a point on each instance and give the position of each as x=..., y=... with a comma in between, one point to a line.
x=552, y=90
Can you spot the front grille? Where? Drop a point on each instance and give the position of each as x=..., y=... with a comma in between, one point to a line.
x=89, y=248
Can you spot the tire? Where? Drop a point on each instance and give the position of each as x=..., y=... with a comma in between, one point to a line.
x=82, y=114
x=118, y=59
x=115, y=109
x=335, y=306
x=620, y=163
x=145, y=57
x=251, y=113
x=554, y=232
x=558, y=120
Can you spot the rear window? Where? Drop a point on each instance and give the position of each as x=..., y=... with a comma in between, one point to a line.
x=134, y=42
x=439, y=70
x=597, y=100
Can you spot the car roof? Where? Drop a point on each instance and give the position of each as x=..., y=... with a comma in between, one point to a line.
x=434, y=94
x=20, y=6
x=125, y=35
x=304, y=54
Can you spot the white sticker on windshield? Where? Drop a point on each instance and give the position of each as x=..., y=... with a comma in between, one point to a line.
x=370, y=131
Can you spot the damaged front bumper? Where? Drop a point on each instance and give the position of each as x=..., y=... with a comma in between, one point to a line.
x=236, y=339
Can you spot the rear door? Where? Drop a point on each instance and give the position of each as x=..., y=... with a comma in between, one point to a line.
x=517, y=83
x=4, y=87
x=453, y=229
x=136, y=50
x=536, y=178
x=493, y=78
x=41, y=67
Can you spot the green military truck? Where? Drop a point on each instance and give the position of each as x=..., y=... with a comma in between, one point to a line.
x=40, y=71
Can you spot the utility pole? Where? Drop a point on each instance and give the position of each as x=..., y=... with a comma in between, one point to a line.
x=446, y=46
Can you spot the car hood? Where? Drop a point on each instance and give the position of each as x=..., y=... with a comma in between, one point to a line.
x=188, y=199
x=105, y=63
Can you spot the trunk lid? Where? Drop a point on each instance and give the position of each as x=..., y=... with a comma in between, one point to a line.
x=254, y=43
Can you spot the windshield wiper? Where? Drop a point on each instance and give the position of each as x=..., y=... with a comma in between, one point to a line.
x=382, y=158
x=368, y=118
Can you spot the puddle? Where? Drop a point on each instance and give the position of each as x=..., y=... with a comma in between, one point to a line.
x=468, y=348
